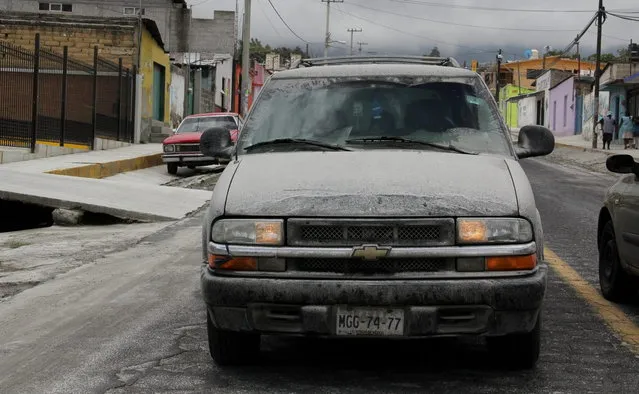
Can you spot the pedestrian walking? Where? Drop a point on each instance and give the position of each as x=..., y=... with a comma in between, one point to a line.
x=609, y=125
x=626, y=130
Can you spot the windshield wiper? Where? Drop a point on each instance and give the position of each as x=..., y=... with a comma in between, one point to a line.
x=283, y=141
x=448, y=147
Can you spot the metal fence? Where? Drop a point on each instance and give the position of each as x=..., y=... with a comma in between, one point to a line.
x=47, y=97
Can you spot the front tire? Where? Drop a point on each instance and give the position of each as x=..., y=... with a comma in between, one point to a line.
x=232, y=348
x=520, y=351
x=616, y=284
x=172, y=168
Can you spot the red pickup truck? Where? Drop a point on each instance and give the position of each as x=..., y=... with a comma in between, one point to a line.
x=183, y=148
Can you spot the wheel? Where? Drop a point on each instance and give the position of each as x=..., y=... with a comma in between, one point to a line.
x=616, y=284
x=191, y=167
x=172, y=168
x=232, y=348
x=517, y=350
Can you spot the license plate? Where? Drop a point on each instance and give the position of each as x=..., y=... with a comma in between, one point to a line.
x=354, y=321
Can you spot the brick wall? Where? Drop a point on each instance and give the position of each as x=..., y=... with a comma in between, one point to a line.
x=113, y=41
x=215, y=35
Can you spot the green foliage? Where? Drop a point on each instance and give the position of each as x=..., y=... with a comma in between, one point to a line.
x=258, y=51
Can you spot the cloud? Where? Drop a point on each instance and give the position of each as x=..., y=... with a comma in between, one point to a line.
x=413, y=27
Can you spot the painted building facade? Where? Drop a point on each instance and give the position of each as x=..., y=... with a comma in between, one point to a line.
x=561, y=115
x=509, y=108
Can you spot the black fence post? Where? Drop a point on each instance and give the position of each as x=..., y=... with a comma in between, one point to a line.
x=133, y=95
x=36, y=93
x=63, y=113
x=95, y=96
x=120, y=99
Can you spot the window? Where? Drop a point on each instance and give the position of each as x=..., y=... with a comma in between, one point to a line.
x=56, y=7
x=133, y=11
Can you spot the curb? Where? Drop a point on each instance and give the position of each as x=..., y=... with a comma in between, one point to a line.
x=583, y=149
x=104, y=170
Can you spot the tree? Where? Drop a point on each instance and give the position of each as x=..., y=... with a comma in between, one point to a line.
x=621, y=57
x=435, y=52
x=259, y=51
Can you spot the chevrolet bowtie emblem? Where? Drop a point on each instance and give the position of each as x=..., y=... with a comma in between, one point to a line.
x=371, y=252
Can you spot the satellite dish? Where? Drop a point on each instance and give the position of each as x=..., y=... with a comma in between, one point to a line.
x=528, y=54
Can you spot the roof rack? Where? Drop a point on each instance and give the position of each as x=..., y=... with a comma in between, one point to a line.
x=326, y=61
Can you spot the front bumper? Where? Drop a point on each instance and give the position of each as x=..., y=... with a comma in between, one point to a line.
x=433, y=307
x=186, y=159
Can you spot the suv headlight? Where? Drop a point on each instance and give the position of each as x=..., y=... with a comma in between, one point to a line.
x=493, y=230
x=248, y=232
x=169, y=148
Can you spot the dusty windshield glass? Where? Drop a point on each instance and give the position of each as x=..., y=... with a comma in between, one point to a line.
x=350, y=111
x=200, y=124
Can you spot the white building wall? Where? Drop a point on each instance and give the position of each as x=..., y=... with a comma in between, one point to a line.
x=527, y=111
x=223, y=72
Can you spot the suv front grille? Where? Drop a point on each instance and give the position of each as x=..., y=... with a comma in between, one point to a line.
x=358, y=266
x=346, y=232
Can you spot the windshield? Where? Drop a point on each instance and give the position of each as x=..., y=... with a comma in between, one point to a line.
x=199, y=124
x=352, y=112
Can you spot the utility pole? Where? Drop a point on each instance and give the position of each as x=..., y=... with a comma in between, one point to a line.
x=353, y=31
x=600, y=19
x=246, y=61
x=360, y=45
x=499, y=59
x=327, y=39
x=578, y=62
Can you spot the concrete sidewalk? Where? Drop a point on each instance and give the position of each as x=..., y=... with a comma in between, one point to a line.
x=94, y=164
x=141, y=202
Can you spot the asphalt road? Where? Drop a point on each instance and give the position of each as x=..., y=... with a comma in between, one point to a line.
x=134, y=322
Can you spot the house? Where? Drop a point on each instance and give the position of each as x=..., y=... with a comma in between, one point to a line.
x=180, y=32
x=509, y=108
x=116, y=39
x=524, y=72
x=622, y=82
x=545, y=82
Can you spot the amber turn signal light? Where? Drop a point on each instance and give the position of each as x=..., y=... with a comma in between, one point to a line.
x=511, y=263
x=232, y=263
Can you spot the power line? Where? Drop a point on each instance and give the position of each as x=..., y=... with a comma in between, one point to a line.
x=284, y=22
x=500, y=9
x=402, y=31
x=460, y=24
x=269, y=21
x=628, y=18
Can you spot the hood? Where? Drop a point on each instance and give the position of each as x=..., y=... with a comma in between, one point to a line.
x=184, y=138
x=372, y=183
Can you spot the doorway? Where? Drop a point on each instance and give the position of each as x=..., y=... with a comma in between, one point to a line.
x=158, y=91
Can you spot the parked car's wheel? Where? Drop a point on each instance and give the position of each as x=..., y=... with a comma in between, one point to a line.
x=172, y=168
x=232, y=348
x=519, y=350
x=616, y=284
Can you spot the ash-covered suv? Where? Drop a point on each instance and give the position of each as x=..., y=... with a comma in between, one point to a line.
x=374, y=200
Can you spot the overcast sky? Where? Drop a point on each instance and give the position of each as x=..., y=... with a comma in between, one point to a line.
x=403, y=26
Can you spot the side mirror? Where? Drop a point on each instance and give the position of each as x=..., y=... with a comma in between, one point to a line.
x=622, y=164
x=534, y=141
x=216, y=142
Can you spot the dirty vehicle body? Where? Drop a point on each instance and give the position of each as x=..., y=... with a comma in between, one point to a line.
x=618, y=232
x=380, y=200
x=182, y=149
